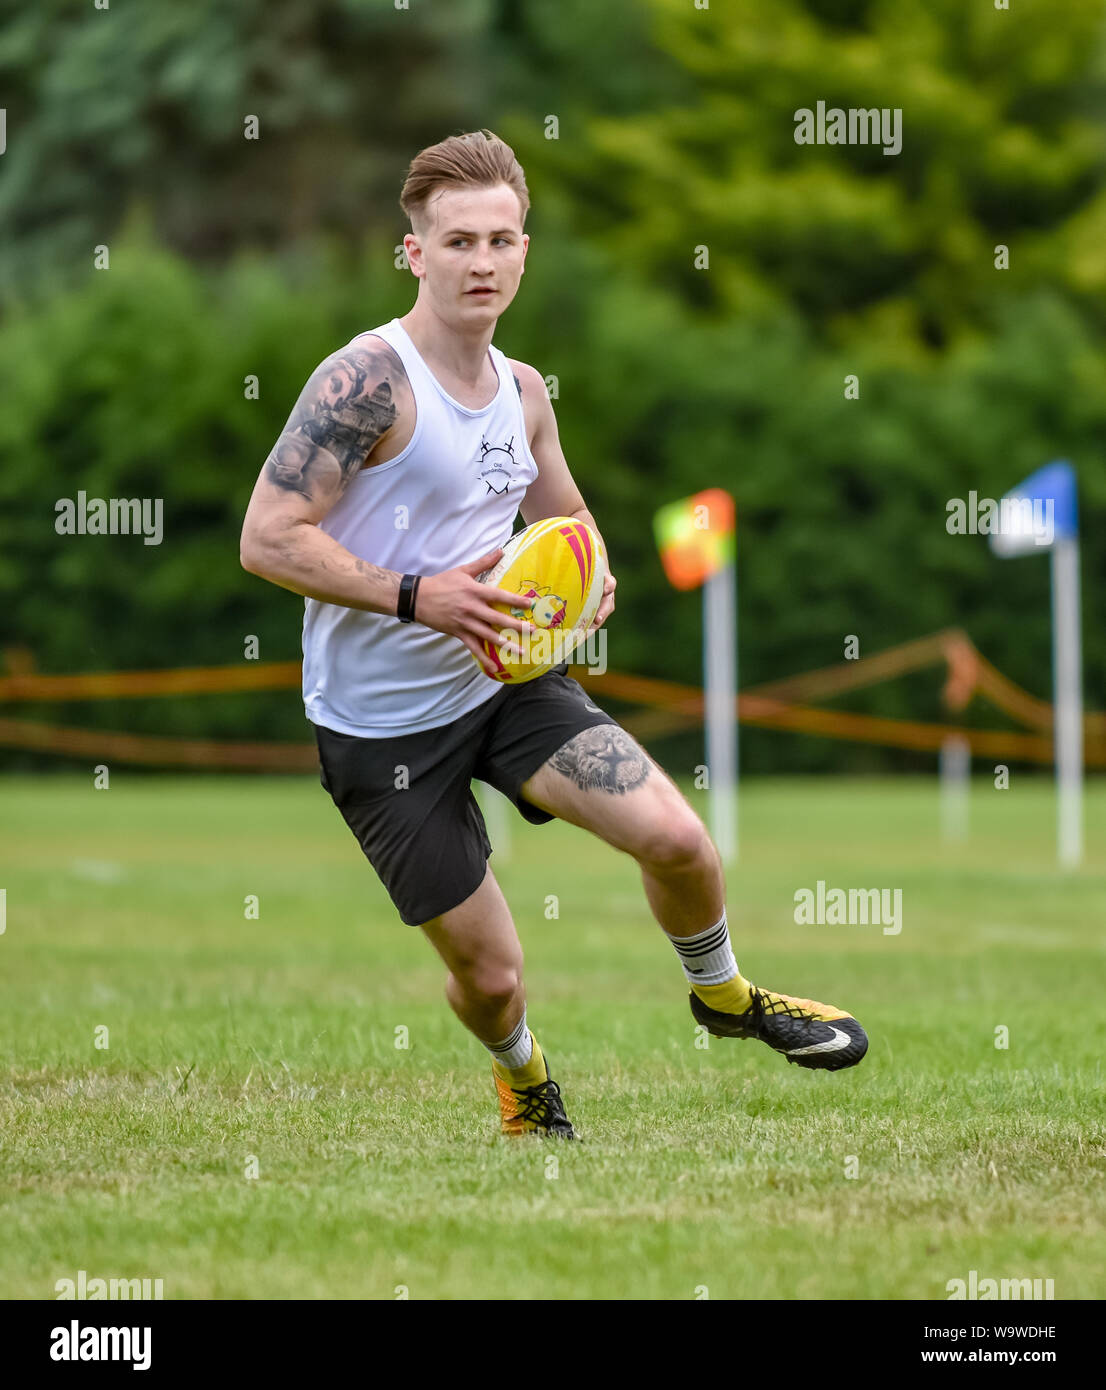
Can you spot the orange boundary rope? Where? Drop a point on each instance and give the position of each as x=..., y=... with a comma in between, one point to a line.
x=196, y=680
x=104, y=746
x=670, y=707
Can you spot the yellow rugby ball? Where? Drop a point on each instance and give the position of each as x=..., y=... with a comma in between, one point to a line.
x=561, y=564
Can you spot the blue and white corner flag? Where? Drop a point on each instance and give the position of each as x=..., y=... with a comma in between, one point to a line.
x=1037, y=513
x=1042, y=514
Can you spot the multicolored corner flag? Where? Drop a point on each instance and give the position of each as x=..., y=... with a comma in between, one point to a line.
x=697, y=542
x=696, y=537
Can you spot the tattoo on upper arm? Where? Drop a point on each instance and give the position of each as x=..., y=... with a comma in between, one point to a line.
x=518, y=387
x=346, y=407
x=602, y=758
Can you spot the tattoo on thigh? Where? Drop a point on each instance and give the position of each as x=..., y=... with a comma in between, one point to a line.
x=602, y=758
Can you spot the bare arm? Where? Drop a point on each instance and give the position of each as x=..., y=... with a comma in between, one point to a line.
x=554, y=492
x=350, y=403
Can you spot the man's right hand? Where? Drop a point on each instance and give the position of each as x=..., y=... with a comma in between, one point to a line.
x=455, y=602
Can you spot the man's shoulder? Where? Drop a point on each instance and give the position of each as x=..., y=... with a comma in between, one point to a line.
x=370, y=351
x=367, y=367
x=532, y=391
x=528, y=380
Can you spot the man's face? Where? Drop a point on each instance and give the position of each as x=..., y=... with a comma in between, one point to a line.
x=468, y=250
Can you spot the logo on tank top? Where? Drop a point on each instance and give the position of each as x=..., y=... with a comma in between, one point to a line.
x=497, y=464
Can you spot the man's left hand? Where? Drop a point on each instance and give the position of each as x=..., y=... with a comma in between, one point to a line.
x=606, y=604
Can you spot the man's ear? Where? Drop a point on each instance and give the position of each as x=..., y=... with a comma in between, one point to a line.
x=414, y=250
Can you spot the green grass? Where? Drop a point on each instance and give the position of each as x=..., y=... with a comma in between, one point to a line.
x=377, y=1167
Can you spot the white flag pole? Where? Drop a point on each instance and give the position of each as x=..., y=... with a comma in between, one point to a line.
x=1067, y=669
x=955, y=762
x=1044, y=511
x=720, y=683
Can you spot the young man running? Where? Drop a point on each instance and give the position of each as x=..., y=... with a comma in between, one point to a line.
x=393, y=486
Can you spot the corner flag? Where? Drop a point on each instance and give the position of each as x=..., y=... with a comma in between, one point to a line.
x=1042, y=514
x=696, y=539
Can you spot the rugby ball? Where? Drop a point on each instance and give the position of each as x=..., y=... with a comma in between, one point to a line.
x=561, y=564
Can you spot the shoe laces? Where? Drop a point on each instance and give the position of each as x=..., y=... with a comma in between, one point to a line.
x=540, y=1103
x=765, y=1002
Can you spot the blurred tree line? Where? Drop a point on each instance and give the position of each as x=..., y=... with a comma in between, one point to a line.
x=699, y=286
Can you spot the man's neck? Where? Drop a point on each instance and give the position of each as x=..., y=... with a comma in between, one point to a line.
x=463, y=356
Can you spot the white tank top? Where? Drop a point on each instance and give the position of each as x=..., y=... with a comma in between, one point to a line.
x=450, y=496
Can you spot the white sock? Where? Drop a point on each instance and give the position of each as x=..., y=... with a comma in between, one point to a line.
x=707, y=958
x=516, y=1050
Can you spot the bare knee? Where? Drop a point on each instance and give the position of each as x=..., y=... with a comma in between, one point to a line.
x=492, y=984
x=677, y=840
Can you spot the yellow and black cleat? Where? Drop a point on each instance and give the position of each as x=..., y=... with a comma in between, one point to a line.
x=536, y=1109
x=806, y=1032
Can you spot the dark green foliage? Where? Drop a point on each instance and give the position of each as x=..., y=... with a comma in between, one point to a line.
x=675, y=132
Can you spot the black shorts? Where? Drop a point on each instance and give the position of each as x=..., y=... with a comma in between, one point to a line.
x=427, y=839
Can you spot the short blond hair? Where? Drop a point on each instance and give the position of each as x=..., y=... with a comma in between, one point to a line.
x=479, y=159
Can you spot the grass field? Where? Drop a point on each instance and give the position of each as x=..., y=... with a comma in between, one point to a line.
x=273, y=1039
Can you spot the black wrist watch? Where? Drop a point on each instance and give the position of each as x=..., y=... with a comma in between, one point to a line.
x=408, y=593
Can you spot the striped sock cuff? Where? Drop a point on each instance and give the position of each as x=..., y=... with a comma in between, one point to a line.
x=516, y=1050
x=708, y=957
